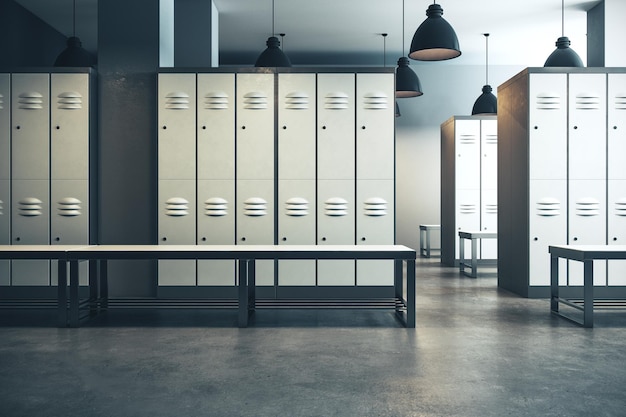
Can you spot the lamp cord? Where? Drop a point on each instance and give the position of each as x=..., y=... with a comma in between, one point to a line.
x=562, y=17
x=272, y=17
x=402, y=27
x=384, y=35
x=486, y=58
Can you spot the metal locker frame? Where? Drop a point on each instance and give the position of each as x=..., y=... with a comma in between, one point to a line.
x=5, y=173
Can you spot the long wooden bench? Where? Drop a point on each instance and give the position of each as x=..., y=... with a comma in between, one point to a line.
x=245, y=255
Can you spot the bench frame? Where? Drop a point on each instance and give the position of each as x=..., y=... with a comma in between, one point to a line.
x=473, y=237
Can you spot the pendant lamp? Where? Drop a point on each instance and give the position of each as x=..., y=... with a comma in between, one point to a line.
x=407, y=82
x=434, y=39
x=74, y=55
x=486, y=103
x=273, y=56
x=563, y=55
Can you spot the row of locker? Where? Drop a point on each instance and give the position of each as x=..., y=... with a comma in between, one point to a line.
x=565, y=167
x=277, y=158
x=46, y=134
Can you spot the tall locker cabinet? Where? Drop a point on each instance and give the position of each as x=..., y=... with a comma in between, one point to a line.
x=558, y=179
x=468, y=183
x=5, y=173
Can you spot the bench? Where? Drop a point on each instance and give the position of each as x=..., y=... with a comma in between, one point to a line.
x=425, y=247
x=585, y=254
x=473, y=237
x=245, y=255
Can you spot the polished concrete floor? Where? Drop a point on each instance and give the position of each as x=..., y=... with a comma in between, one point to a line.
x=476, y=351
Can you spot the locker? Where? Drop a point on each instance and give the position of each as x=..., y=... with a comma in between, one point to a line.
x=489, y=222
x=336, y=126
x=177, y=126
x=547, y=226
x=216, y=226
x=616, y=126
x=177, y=226
x=30, y=127
x=467, y=212
x=335, y=226
x=296, y=226
x=467, y=141
x=587, y=126
x=296, y=126
x=255, y=221
x=69, y=214
x=375, y=150
x=216, y=126
x=489, y=155
x=69, y=128
x=375, y=225
x=255, y=126
x=617, y=228
x=547, y=139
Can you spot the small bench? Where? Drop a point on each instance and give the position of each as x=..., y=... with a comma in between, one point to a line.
x=425, y=247
x=473, y=237
x=585, y=254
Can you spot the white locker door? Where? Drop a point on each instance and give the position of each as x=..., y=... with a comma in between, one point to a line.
x=467, y=145
x=69, y=132
x=587, y=126
x=335, y=226
x=296, y=126
x=375, y=151
x=617, y=126
x=5, y=173
x=617, y=229
x=216, y=226
x=375, y=225
x=216, y=127
x=335, y=128
x=547, y=126
x=30, y=226
x=177, y=226
x=467, y=214
x=489, y=154
x=255, y=221
x=255, y=126
x=547, y=225
x=296, y=226
x=587, y=225
x=489, y=222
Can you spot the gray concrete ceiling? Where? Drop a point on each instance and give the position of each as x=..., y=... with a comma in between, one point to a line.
x=348, y=32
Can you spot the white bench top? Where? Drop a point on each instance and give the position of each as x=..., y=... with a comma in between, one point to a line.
x=36, y=251
x=430, y=226
x=478, y=234
x=587, y=252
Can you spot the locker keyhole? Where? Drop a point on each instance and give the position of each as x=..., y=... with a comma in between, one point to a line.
x=536, y=127
x=323, y=239
x=163, y=239
x=363, y=127
x=363, y=239
x=58, y=239
x=323, y=127
x=536, y=239
x=243, y=239
x=164, y=127
x=243, y=127
x=615, y=127
x=204, y=127
x=575, y=127
x=17, y=239
x=204, y=239
x=614, y=239
x=58, y=127
x=284, y=239
x=575, y=239
x=18, y=127
x=284, y=127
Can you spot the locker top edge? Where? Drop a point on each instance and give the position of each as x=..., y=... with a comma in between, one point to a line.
x=277, y=70
x=48, y=70
x=562, y=70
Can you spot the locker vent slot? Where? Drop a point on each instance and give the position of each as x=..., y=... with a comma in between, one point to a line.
x=216, y=207
x=216, y=100
x=467, y=208
x=177, y=100
x=297, y=207
x=176, y=207
x=548, y=101
x=491, y=208
x=620, y=101
x=298, y=100
x=491, y=139
x=1, y=101
x=467, y=139
x=587, y=101
x=255, y=207
x=587, y=207
x=620, y=207
x=548, y=207
x=336, y=207
x=375, y=101
x=336, y=101
x=70, y=100
x=30, y=101
x=29, y=207
x=69, y=207
x=375, y=207
x=1, y=207
x=255, y=100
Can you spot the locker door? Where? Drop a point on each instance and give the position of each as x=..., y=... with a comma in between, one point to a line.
x=489, y=222
x=255, y=126
x=617, y=126
x=587, y=224
x=375, y=226
x=296, y=226
x=547, y=120
x=5, y=173
x=467, y=213
x=375, y=151
x=335, y=130
x=587, y=126
x=69, y=133
x=30, y=226
x=216, y=226
x=255, y=221
x=467, y=145
x=489, y=154
x=617, y=229
x=547, y=226
x=335, y=226
x=177, y=226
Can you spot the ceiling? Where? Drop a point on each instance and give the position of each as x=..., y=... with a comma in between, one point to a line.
x=348, y=32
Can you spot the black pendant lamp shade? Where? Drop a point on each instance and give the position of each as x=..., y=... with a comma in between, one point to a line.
x=486, y=103
x=434, y=39
x=407, y=83
x=273, y=56
x=563, y=55
x=74, y=55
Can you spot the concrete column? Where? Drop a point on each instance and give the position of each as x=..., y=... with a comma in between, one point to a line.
x=605, y=34
x=195, y=34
